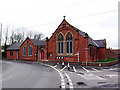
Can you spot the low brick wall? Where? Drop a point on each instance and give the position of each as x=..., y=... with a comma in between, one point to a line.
x=78, y=63
x=88, y=64
x=111, y=54
x=99, y=64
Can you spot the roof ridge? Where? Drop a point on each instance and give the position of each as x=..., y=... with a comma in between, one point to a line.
x=99, y=40
x=37, y=40
x=77, y=28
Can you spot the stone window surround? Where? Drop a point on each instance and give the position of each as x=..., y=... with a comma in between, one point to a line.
x=64, y=46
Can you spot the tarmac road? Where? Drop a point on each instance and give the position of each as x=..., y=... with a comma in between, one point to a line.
x=19, y=74
x=28, y=75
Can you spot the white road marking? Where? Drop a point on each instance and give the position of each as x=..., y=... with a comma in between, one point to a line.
x=69, y=80
x=61, y=76
x=74, y=69
x=96, y=70
x=112, y=68
x=55, y=66
x=85, y=69
x=112, y=75
x=78, y=74
x=91, y=77
x=63, y=68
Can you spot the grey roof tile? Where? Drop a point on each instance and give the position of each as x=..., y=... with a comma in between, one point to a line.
x=90, y=40
x=15, y=46
x=100, y=43
x=78, y=30
x=38, y=42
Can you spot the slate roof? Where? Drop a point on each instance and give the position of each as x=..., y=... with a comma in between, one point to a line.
x=92, y=42
x=100, y=42
x=15, y=46
x=97, y=43
x=80, y=32
x=38, y=42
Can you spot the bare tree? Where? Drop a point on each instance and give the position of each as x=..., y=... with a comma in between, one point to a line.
x=6, y=35
x=30, y=34
x=18, y=37
x=12, y=40
x=23, y=36
x=38, y=36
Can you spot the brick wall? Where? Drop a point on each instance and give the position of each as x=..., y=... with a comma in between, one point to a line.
x=79, y=44
x=14, y=56
x=102, y=53
x=34, y=50
x=111, y=54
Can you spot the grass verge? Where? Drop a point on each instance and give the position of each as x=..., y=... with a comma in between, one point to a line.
x=107, y=60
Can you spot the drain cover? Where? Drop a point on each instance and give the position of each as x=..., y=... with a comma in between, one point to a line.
x=81, y=83
x=67, y=83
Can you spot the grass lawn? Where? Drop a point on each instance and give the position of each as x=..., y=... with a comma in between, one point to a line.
x=108, y=60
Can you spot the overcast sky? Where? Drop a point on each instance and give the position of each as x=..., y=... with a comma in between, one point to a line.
x=99, y=18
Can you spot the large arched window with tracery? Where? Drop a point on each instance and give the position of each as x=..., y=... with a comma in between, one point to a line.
x=60, y=43
x=69, y=43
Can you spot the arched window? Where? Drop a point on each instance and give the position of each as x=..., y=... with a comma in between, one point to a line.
x=30, y=50
x=24, y=51
x=60, y=43
x=69, y=43
x=90, y=52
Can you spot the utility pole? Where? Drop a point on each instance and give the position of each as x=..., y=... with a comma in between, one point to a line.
x=0, y=42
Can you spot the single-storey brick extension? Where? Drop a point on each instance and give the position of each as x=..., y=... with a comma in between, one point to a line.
x=67, y=43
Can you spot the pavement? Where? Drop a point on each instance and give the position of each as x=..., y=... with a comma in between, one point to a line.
x=19, y=74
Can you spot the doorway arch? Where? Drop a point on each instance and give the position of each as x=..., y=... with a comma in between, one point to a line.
x=42, y=54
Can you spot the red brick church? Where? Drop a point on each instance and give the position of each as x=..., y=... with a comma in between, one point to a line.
x=67, y=43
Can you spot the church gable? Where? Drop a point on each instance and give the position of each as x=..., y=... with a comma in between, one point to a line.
x=64, y=28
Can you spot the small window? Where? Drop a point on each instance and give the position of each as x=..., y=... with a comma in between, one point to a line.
x=30, y=50
x=27, y=41
x=11, y=53
x=24, y=50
